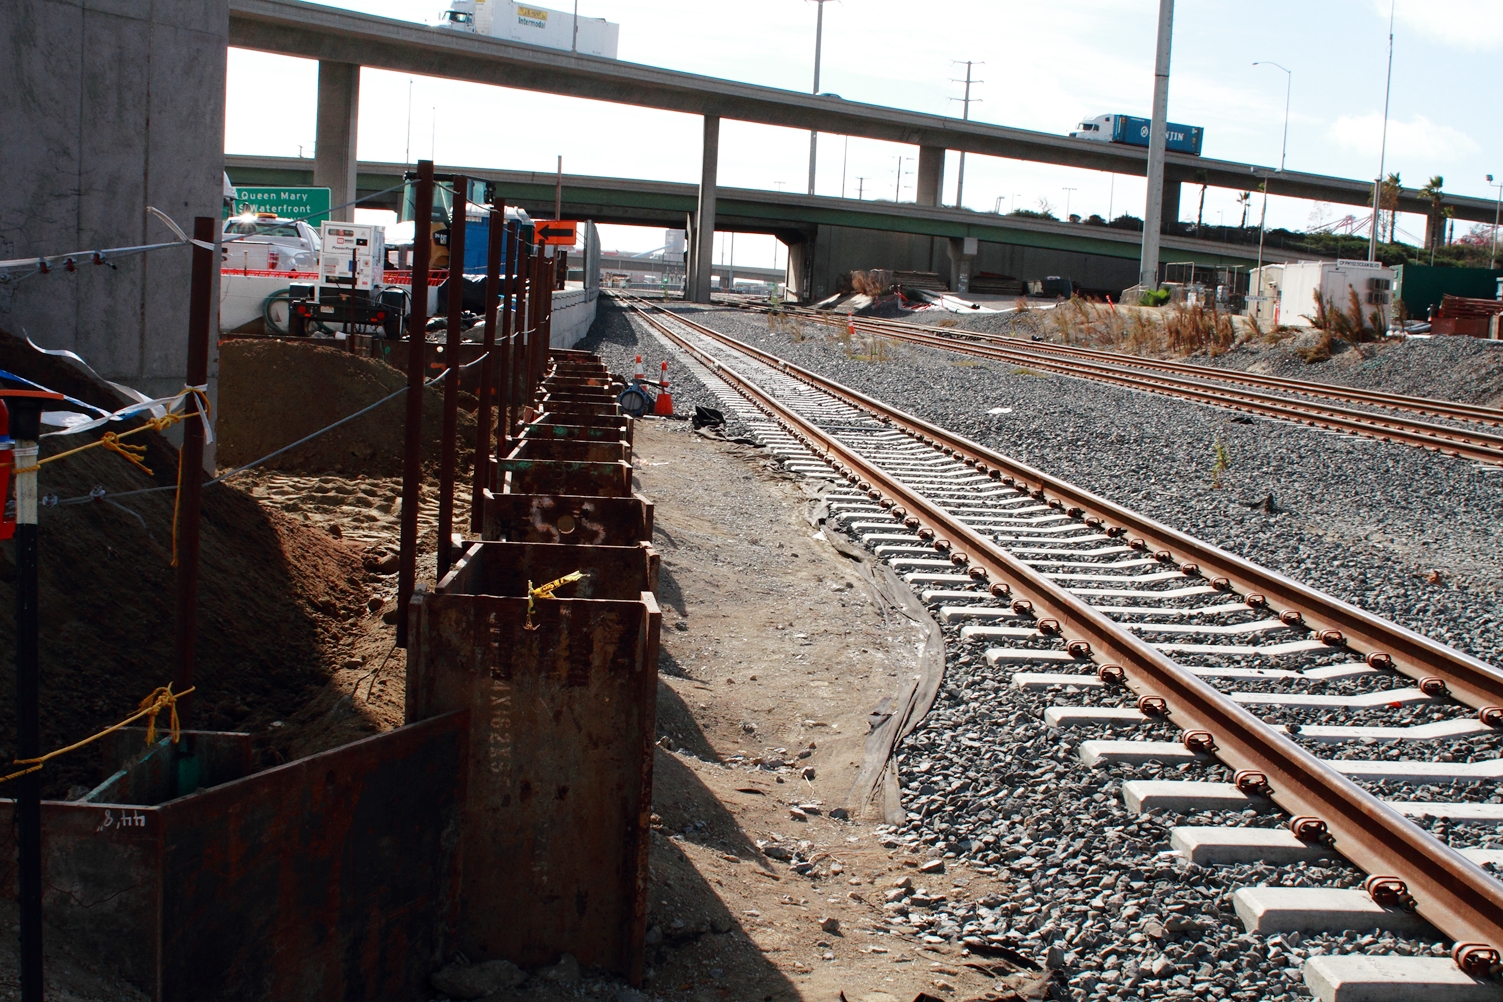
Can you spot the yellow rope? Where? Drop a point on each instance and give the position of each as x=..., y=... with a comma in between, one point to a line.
x=546, y=591
x=161, y=698
x=135, y=453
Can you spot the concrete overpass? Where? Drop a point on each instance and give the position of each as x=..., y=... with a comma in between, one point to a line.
x=825, y=235
x=342, y=40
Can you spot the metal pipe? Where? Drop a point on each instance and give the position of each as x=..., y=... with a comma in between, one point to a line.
x=25, y=426
x=449, y=441
x=412, y=456
x=1153, y=213
x=484, y=412
x=201, y=310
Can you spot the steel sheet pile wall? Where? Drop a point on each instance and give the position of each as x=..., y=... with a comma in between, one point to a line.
x=331, y=877
x=561, y=690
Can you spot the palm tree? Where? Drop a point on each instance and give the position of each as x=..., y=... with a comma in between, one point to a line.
x=1246, y=199
x=1433, y=219
x=1391, y=185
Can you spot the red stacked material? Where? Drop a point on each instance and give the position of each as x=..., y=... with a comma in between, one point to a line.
x=1472, y=317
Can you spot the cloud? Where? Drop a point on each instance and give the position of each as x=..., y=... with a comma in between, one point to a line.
x=1364, y=134
x=1466, y=24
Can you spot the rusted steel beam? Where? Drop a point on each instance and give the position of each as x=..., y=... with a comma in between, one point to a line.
x=412, y=454
x=449, y=436
x=332, y=877
x=485, y=413
x=563, y=696
x=571, y=519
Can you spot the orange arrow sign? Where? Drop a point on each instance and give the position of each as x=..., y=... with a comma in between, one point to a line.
x=558, y=233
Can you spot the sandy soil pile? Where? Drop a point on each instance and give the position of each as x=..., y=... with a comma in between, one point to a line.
x=272, y=393
x=276, y=595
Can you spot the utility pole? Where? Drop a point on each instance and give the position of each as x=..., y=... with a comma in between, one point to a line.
x=845, y=159
x=1153, y=213
x=1068, y=192
x=1492, y=262
x=1372, y=239
x=897, y=195
x=860, y=188
x=965, y=116
x=574, y=46
x=819, y=36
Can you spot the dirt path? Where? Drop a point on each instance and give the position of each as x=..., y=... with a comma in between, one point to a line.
x=773, y=647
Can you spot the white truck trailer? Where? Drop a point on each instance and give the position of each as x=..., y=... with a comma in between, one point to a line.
x=533, y=25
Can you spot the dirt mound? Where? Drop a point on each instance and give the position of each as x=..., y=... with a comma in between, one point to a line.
x=272, y=393
x=276, y=595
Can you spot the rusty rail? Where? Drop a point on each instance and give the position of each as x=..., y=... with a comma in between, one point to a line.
x=1377, y=398
x=1479, y=445
x=1449, y=891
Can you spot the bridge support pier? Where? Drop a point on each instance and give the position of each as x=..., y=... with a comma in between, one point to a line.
x=704, y=219
x=931, y=175
x=338, y=117
x=1171, y=205
x=963, y=251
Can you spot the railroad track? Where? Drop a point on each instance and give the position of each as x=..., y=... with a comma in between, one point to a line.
x=1123, y=625
x=1281, y=399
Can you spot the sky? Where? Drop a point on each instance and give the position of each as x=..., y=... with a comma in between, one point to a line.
x=1041, y=66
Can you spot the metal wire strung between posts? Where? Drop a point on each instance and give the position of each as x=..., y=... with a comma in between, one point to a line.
x=44, y=264
x=100, y=495
x=161, y=698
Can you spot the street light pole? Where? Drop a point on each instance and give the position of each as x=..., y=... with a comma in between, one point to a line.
x=1068, y=193
x=819, y=37
x=1372, y=240
x=1288, y=87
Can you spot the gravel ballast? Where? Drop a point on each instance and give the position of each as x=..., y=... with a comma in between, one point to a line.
x=1099, y=895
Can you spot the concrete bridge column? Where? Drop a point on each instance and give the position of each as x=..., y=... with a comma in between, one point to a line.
x=691, y=257
x=963, y=252
x=704, y=222
x=931, y=175
x=338, y=116
x=1171, y=205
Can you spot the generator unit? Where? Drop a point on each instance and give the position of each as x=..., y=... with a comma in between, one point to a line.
x=351, y=295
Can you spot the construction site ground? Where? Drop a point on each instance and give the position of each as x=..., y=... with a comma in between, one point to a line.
x=774, y=649
x=772, y=646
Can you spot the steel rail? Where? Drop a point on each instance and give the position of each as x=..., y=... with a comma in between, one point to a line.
x=1452, y=893
x=1467, y=679
x=1483, y=447
x=1378, y=398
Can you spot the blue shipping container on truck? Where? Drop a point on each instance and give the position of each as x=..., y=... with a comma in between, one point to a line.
x=1179, y=138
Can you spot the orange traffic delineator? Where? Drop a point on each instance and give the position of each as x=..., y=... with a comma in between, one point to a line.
x=664, y=405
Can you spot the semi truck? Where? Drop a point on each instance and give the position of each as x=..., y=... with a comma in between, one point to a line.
x=1131, y=131
x=533, y=25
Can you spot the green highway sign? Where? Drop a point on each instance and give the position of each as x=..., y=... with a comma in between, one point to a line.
x=287, y=201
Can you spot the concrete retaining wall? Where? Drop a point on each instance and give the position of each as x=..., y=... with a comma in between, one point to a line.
x=573, y=313
x=110, y=107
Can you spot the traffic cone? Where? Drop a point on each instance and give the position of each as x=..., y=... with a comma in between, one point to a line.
x=850, y=324
x=638, y=373
x=664, y=406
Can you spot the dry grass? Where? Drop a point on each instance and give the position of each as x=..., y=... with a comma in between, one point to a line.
x=1150, y=331
x=874, y=283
